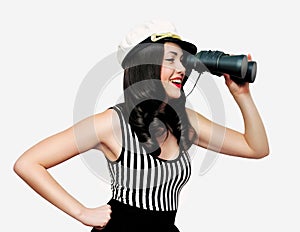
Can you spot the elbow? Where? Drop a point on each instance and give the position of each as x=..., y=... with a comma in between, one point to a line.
x=21, y=166
x=261, y=154
x=18, y=167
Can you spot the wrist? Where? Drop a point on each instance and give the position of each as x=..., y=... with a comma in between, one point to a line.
x=244, y=101
x=79, y=213
x=241, y=96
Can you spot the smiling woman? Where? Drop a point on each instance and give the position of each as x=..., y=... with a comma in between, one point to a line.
x=145, y=139
x=172, y=71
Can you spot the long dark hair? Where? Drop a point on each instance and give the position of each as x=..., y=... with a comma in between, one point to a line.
x=145, y=108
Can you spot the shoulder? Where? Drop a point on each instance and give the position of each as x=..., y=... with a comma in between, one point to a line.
x=192, y=114
x=192, y=117
x=106, y=120
x=109, y=133
x=107, y=125
x=198, y=121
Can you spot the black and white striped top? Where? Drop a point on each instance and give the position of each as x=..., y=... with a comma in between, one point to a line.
x=141, y=180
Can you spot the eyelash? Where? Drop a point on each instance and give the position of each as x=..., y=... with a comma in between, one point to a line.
x=172, y=60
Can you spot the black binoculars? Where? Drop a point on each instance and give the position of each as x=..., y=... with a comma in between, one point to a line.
x=237, y=66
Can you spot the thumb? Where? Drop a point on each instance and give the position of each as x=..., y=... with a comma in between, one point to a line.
x=249, y=57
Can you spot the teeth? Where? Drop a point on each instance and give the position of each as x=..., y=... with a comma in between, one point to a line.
x=177, y=81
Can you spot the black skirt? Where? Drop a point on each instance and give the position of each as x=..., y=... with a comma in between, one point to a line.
x=126, y=218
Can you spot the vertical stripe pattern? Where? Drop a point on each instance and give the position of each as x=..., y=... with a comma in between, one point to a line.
x=141, y=180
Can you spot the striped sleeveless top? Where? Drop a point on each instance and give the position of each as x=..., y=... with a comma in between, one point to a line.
x=142, y=180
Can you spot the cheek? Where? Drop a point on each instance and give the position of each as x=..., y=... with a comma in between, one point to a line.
x=166, y=73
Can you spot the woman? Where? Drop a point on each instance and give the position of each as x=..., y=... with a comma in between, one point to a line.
x=145, y=139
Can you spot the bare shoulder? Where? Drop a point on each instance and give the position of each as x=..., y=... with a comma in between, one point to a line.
x=106, y=123
x=190, y=112
x=108, y=130
x=200, y=123
x=193, y=115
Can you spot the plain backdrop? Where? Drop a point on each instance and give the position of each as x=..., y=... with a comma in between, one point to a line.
x=48, y=47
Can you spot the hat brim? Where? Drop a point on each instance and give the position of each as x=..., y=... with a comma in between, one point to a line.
x=186, y=46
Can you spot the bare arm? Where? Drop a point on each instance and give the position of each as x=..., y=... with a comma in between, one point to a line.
x=252, y=143
x=32, y=167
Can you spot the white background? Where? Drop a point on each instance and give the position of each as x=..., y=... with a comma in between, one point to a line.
x=48, y=47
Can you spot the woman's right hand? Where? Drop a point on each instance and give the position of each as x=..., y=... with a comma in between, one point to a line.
x=96, y=217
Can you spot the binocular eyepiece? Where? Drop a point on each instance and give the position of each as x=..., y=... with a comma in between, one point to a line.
x=237, y=66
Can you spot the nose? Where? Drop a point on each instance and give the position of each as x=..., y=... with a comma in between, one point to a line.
x=180, y=67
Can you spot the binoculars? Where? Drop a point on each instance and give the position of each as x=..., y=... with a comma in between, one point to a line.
x=217, y=62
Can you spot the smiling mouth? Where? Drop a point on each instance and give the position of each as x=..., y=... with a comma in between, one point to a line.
x=177, y=83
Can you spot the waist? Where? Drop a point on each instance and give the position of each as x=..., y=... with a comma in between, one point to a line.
x=127, y=212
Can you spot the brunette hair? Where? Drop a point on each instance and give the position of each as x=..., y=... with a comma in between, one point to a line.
x=146, y=111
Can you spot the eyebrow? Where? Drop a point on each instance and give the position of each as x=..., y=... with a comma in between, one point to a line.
x=175, y=53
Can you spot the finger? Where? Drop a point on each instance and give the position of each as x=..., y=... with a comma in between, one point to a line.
x=109, y=209
x=106, y=207
x=99, y=227
x=103, y=225
x=227, y=76
x=249, y=57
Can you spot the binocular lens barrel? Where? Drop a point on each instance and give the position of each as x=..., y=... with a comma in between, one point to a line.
x=217, y=62
x=251, y=71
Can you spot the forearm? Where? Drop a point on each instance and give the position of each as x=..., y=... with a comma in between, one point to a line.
x=255, y=134
x=40, y=180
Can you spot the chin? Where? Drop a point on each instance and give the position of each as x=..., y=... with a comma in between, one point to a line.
x=174, y=95
x=172, y=92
